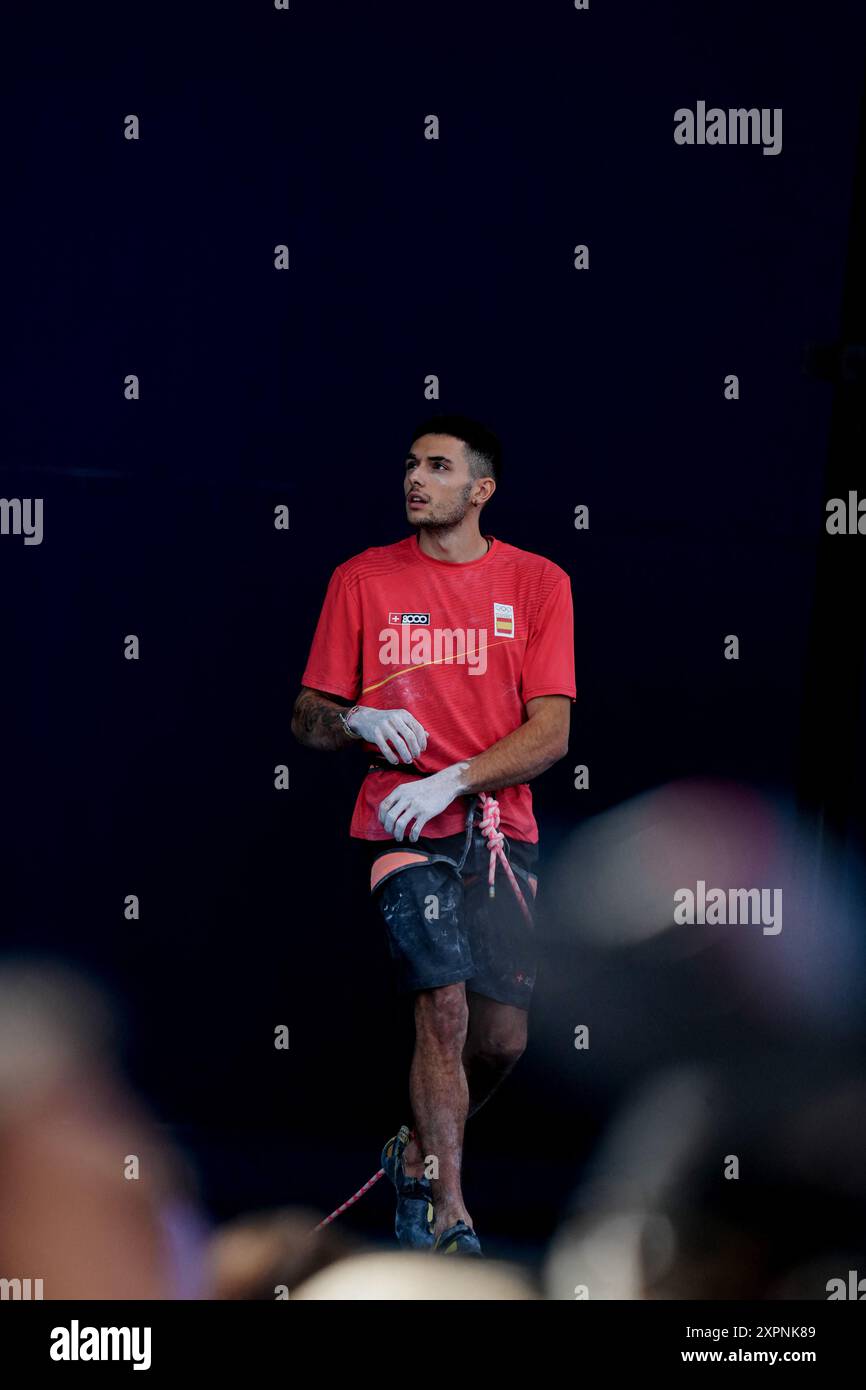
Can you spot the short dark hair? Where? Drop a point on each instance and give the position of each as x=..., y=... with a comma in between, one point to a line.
x=482, y=445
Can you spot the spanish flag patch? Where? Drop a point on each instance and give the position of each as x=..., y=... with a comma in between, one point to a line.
x=503, y=620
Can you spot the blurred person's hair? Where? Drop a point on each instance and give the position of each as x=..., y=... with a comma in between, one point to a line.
x=54, y=1023
x=254, y=1256
x=94, y=1201
x=797, y=1207
x=411, y=1276
x=657, y=1217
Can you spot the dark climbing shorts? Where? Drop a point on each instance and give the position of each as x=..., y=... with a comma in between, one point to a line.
x=442, y=924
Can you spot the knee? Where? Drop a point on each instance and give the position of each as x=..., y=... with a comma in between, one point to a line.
x=498, y=1051
x=443, y=1015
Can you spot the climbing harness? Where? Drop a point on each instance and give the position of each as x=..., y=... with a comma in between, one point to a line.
x=489, y=824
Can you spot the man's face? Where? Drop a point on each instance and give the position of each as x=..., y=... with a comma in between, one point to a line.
x=437, y=474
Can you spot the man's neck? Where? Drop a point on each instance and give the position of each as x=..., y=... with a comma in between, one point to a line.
x=452, y=546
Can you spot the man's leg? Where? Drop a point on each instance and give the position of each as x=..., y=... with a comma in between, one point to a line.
x=496, y=1040
x=440, y=1096
x=462, y=1053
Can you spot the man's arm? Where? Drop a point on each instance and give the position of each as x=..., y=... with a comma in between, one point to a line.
x=518, y=757
x=523, y=754
x=316, y=720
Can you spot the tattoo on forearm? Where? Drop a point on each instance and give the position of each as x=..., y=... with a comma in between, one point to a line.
x=317, y=722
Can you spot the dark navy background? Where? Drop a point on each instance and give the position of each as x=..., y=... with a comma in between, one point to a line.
x=408, y=257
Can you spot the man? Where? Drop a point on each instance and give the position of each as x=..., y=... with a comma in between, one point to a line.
x=455, y=651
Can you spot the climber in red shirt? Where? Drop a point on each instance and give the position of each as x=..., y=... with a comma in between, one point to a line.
x=450, y=656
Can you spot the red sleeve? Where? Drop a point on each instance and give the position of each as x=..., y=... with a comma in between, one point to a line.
x=548, y=666
x=334, y=663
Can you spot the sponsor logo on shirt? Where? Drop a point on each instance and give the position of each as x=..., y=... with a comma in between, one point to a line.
x=422, y=619
x=503, y=620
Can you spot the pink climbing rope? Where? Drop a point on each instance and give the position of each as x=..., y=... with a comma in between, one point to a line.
x=405, y=1134
x=345, y=1206
x=495, y=839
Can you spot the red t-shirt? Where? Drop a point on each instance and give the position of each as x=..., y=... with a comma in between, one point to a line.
x=461, y=646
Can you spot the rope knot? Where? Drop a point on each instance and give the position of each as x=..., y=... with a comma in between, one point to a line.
x=490, y=822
